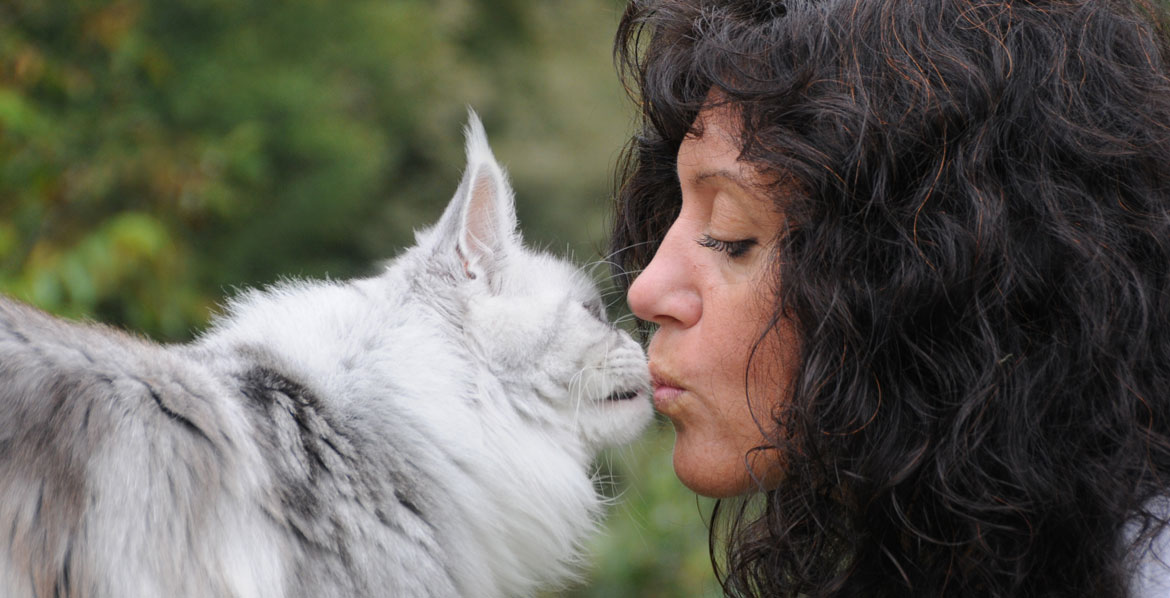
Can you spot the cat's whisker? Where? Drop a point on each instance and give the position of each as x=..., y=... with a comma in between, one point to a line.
x=611, y=255
x=464, y=363
x=625, y=319
x=618, y=300
x=608, y=259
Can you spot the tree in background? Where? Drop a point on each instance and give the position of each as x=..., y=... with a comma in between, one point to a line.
x=156, y=155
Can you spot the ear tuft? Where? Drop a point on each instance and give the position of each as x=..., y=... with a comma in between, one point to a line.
x=479, y=224
x=476, y=145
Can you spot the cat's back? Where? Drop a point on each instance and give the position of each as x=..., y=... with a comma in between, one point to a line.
x=116, y=454
x=86, y=384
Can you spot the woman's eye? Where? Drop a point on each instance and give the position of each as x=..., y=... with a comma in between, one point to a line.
x=733, y=249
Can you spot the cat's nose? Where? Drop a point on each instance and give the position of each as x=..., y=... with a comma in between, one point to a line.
x=663, y=293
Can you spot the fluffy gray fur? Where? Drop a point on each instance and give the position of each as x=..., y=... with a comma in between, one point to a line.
x=424, y=432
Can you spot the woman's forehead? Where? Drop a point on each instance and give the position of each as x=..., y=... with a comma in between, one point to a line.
x=713, y=153
x=713, y=148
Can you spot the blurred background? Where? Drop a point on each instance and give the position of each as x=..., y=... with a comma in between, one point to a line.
x=156, y=156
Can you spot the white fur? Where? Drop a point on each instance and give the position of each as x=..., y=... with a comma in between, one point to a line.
x=509, y=329
x=447, y=410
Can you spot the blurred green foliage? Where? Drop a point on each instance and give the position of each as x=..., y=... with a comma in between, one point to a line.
x=251, y=141
x=655, y=540
x=156, y=155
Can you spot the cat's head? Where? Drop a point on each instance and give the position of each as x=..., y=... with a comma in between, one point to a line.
x=536, y=322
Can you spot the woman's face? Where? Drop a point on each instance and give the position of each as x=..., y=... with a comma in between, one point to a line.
x=708, y=290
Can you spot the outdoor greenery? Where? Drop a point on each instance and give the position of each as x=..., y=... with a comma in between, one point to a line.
x=155, y=156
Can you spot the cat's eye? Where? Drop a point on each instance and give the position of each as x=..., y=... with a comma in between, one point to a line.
x=595, y=307
x=733, y=249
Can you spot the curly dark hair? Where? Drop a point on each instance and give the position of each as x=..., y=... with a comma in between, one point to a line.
x=978, y=267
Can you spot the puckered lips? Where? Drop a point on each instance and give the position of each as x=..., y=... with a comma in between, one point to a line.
x=666, y=389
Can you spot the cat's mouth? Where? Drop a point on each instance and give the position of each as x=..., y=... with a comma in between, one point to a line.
x=623, y=395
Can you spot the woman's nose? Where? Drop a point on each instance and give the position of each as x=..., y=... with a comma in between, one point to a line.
x=666, y=292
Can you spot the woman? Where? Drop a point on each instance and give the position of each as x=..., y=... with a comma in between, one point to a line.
x=907, y=263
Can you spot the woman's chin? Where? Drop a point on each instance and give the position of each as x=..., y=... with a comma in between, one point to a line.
x=720, y=472
x=710, y=472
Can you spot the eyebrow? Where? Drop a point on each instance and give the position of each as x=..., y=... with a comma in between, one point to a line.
x=731, y=176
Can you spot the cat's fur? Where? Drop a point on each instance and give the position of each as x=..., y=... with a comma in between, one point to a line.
x=425, y=432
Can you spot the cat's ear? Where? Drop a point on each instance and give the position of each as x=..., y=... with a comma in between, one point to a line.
x=480, y=222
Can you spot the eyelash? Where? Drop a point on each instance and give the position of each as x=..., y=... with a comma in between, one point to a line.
x=733, y=249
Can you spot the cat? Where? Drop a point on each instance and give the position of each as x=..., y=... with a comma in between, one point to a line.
x=425, y=432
